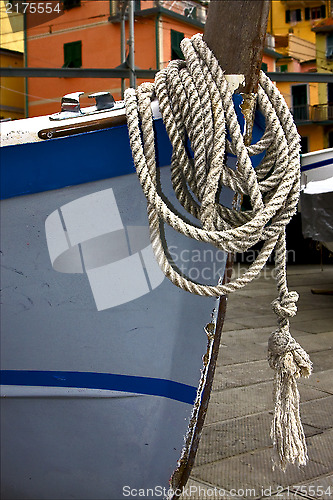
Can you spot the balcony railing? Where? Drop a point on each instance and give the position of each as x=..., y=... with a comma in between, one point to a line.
x=187, y=8
x=318, y=113
x=192, y=10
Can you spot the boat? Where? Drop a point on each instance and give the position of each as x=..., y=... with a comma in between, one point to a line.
x=104, y=361
x=106, y=366
x=316, y=196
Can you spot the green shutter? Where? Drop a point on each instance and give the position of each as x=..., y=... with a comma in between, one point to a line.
x=70, y=4
x=176, y=38
x=307, y=13
x=264, y=67
x=287, y=16
x=323, y=11
x=298, y=15
x=73, y=54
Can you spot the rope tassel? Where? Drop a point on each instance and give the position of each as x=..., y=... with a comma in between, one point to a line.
x=290, y=362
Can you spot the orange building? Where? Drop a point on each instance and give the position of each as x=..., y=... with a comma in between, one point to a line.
x=87, y=34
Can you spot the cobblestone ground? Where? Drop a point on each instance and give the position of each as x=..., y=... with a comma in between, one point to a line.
x=234, y=455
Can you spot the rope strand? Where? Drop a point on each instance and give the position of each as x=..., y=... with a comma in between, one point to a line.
x=195, y=102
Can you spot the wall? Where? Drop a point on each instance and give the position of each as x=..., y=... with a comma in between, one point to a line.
x=11, y=26
x=100, y=49
x=12, y=89
x=302, y=29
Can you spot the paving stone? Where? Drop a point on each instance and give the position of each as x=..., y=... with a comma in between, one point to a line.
x=240, y=351
x=320, y=380
x=249, y=400
x=229, y=325
x=315, y=342
x=320, y=449
x=230, y=438
x=321, y=360
x=236, y=436
x=314, y=326
x=254, y=471
x=257, y=321
x=196, y=490
x=235, y=449
x=312, y=314
x=318, y=413
x=242, y=374
x=318, y=488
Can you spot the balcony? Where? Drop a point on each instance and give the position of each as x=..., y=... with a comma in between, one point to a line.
x=320, y=113
x=187, y=8
x=193, y=11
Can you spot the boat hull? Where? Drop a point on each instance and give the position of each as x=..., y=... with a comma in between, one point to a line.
x=101, y=354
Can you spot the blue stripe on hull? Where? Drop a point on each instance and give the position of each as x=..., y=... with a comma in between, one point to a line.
x=106, y=381
x=322, y=163
x=69, y=161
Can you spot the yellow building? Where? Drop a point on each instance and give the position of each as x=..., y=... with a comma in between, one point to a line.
x=324, y=47
x=12, y=91
x=293, y=24
x=297, y=17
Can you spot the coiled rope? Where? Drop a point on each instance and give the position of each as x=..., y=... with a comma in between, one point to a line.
x=196, y=103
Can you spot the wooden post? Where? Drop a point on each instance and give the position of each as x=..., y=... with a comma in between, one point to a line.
x=235, y=32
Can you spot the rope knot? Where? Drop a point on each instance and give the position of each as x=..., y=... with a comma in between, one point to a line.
x=285, y=306
x=286, y=355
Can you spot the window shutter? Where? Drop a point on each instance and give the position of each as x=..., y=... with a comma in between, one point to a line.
x=307, y=13
x=70, y=4
x=287, y=16
x=73, y=55
x=298, y=15
x=176, y=38
x=77, y=54
x=264, y=67
x=322, y=11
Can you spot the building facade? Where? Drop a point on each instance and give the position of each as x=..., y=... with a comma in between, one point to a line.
x=294, y=25
x=12, y=90
x=88, y=35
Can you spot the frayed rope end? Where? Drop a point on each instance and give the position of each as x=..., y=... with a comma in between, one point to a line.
x=290, y=362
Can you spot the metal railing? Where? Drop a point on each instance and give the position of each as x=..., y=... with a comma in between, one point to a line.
x=186, y=8
x=309, y=113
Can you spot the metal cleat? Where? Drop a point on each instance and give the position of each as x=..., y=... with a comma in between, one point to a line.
x=71, y=102
x=104, y=100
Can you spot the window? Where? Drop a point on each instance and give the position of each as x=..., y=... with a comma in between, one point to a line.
x=330, y=139
x=318, y=12
x=329, y=46
x=307, y=13
x=191, y=12
x=330, y=93
x=176, y=38
x=137, y=5
x=300, y=102
x=70, y=4
x=73, y=55
x=293, y=16
x=284, y=68
x=264, y=66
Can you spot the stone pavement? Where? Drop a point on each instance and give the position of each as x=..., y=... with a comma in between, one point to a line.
x=234, y=455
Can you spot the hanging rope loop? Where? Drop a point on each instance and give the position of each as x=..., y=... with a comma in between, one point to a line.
x=196, y=104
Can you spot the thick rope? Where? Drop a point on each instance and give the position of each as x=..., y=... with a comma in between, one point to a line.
x=196, y=103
